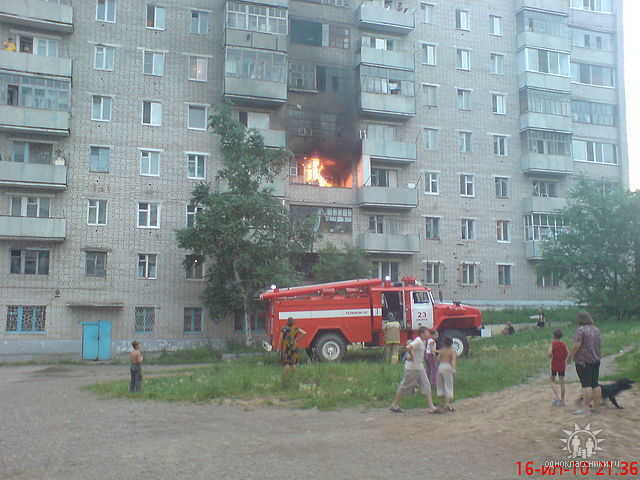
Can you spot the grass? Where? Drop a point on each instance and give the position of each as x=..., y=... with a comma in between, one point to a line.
x=521, y=315
x=362, y=381
x=628, y=365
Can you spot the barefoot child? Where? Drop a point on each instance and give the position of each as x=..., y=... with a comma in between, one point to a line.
x=558, y=353
x=446, y=371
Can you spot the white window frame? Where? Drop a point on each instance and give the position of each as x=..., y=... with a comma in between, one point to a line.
x=500, y=145
x=428, y=10
x=25, y=203
x=150, y=209
x=431, y=99
x=197, y=155
x=433, y=273
x=154, y=66
x=498, y=62
x=104, y=106
x=463, y=20
x=192, y=211
x=469, y=273
x=97, y=206
x=101, y=148
x=463, y=59
x=199, y=107
x=432, y=183
x=464, y=98
x=468, y=229
x=106, y=11
x=104, y=66
x=150, y=151
x=432, y=56
x=498, y=103
x=154, y=106
x=502, y=184
x=467, y=183
x=202, y=72
x=149, y=264
x=495, y=20
x=465, y=141
x=504, y=274
x=156, y=23
x=435, y=227
x=201, y=14
x=503, y=231
x=432, y=134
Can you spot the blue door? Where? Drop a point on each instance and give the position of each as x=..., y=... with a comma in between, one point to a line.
x=96, y=340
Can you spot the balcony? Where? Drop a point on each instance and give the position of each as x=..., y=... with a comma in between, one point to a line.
x=545, y=81
x=533, y=249
x=388, y=243
x=37, y=14
x=543, y=40
x=545, y=5
x=545, y=122
x=387, y=105
x=594, y=20
x=386, y=58
x=387, y=197
x=33, y=175
x=247, y=91
x=25, y=62
x=273, y=138
x=28, y=228
x=389, y=151
x=373, y=16
x=34, y=120
x=259, y=40
x=550, y=164
x=542, y=204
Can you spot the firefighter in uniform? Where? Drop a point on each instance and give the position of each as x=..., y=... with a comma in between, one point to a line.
x=391, y=331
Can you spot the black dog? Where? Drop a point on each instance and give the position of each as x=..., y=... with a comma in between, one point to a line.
x=610, y=390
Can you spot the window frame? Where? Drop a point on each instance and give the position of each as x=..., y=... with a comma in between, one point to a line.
x=431, y=179
x=197, y=156
x=197, y=58
x=148, y=320
x=493, y=23
x=96, y=255
x=105, y=66
x=148, y=262
x=153, y=63
x=502, y=186
x=499, y=61
x=468, y=229
x=463, y=19
x=498, y=103
x=99, y=149
x=500, y=148
x=201, y=14
x=432, y=228
x=150, y=212
x=106, y=11
x=504, y=275
x=503, y=231
x=192, y=320
x=99, y=207
x=197, y=106
x=103, y=100
x=40, y=267
x=469, y=274
x=20, y=311
x=163, y=17
x=150, y=151
x=461, y=55
x=152, y=103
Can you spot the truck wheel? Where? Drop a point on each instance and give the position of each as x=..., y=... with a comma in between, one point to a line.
x=460, y=341
x=330, y=347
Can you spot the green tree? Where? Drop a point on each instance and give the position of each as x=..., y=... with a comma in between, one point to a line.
x=245, y=233
x=598, y=255
x=334, y=265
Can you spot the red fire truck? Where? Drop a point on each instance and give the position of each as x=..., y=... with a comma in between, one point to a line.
x=339, y=313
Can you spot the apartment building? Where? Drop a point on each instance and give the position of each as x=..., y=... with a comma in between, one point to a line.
x=437, y=136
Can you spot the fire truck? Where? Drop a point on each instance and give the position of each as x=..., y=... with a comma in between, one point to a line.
x=340, y=313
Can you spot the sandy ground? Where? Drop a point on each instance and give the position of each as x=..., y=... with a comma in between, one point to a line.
x=52, y=430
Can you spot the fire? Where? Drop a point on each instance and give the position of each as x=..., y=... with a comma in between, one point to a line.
x=314, y=172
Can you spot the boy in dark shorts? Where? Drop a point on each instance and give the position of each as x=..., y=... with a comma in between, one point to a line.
x=558, y=353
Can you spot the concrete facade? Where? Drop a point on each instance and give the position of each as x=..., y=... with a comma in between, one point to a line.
x=101, y=142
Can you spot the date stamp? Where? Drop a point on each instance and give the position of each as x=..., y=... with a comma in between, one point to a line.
x=578, y=468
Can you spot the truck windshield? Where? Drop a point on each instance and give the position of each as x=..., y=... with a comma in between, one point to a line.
x=420, y=297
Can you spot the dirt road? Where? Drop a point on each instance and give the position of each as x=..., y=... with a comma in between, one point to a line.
x=52, y=430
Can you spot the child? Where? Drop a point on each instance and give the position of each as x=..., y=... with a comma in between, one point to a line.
x=430, y=357
x=558, y=353
x=446, y=371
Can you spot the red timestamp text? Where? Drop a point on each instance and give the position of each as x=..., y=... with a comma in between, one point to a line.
x=578, y=468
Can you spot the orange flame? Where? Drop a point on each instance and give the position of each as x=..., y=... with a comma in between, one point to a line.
x=313, y=173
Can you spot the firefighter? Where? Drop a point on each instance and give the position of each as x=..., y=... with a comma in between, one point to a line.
x=391, y=331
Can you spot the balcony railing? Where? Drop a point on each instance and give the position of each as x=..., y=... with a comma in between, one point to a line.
x=255, y=92
x=29, y=63
x=375, y=16
x=386, y=58
x=389, y=243
x=543, y=204
x=29, y=228
x=550, y=164
x=387, y=105
x=388, y=197
x=33, y=175
x=389, y=150
x=34, y=120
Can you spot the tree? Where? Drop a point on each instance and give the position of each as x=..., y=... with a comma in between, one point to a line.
x=598, y=254
x=334, y=265
x=246, y=234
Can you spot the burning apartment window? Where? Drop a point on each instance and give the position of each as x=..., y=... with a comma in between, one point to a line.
x=302, y=76
x=324, y=219
x=386, y=80
x=321, y=172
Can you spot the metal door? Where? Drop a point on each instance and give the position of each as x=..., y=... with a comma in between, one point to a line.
x=96, y=340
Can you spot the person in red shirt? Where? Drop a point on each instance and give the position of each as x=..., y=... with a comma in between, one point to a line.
x=558, y=353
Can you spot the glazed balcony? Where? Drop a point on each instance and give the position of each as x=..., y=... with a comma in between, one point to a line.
x=29, y=228
x=259, y=40
x=37, y=14
x=374, y=16
x=389, y=151
x=387, y=197
x=542, y=121
x=33, y=175
x=533, y=249
x=389, y=243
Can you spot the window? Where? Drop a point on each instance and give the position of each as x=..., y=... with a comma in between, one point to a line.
x=377, y=42
x=500, y=145
x=495, y=25
x=432, y=183
x=155, y=17
x=538, y=226
x=323, y=219
x=106, y=11
x=426, y=12
x=502, y=187
x=153, y=63
x=593, y=74
x=604, y=6
x=468, y=229
x=96, y=212
x=198, y=68
x=256, y=65
x=503, y=230
x=434, y=273
x=34, y=207
x=428, y=54
x=469, y=274
x=99, y=159
x=544, y=61
x=543, y=101
x=34, y=92
x=192, y=320
x=144, y=319
x=31, y=152
x=387, y=269
x=432, y=228
x=597, y=152
x=542, y=22
x=594, y=113
x=148, y=215
x=498, y=104
x=462, y=19
x=497, y=64
x=430, y=136
x=257, y=322
x=150, y=163
x=30, y=262
x=593, y=40
x=463, y=59
x=151, y=113
x=257, y=18
x=192, y=213
x=302, y=77
x=104, y=57
x=544, y=188
x=466, y=185
x=546, y=143
x=45, y=47
x=385, y=224
x=101, y=108
x=25, y=319
x=384, y=177
x=504, y=275
x=464, y=99
x=194, y=267
x=464, y=142
x=147, y=265
x=387, y=81
x=96, y=264
x=430, y=95
x=382, y=132
x=197, y=117
x=551, y=279
x=196, y=166
x=199, y=22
